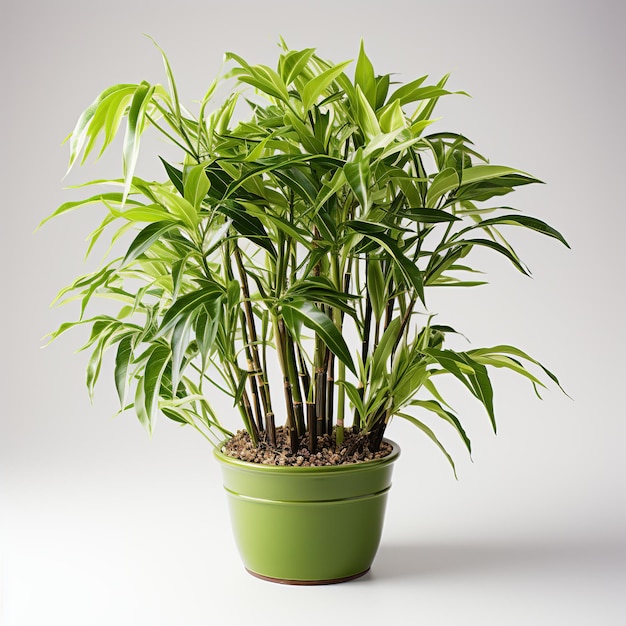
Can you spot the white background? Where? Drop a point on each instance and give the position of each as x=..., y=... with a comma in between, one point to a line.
x=102, y=525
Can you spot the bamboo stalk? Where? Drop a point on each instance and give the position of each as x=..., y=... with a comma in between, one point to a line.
x=254, y=390
x=405, y=320
x=389, y=307
x=303, y=373
x=271, y=429
x=365, y=346
x=281, y=336
x=329, y=399
x=341, y=395
x=312, y=426
x=252, y=336
x=246, y=410
x=295, y=384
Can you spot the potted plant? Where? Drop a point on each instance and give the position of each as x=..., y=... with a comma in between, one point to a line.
x=284, y=261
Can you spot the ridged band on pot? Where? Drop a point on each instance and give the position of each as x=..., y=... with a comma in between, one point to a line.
x=307, y=525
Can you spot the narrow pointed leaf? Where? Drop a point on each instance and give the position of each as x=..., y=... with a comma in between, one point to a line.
x=321, y=324
x=364, y=76
x=134, y=129
x=145, y=239
x=318, y=85
x=522, y=220
x=431, y=435
x=123, y=358
x=148, y=388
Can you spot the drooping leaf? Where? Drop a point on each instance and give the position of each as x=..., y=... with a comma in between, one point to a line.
x=429, y=216
x=145, y=239
x=448, y=416
x=431, y=435
x=522, y=220
x=123, y=359
x=134, y=129
x=248, y=225
x=149, y=386
x=409, y=269
x=116, y=97
x=471, y=373
x=317, y=321
x=187, y=305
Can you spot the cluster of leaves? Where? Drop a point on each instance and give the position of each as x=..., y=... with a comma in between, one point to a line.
x=325, y=215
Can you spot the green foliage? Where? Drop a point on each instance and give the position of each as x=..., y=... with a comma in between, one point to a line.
x=326, y=214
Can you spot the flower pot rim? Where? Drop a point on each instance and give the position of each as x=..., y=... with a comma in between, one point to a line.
x=308, y=469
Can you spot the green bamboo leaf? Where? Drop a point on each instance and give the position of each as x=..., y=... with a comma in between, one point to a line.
x=177, y=206
x=103, y=332
x=432, y=437
x=512, y=350
x=493, y=245
x=376, y=288
x=298, y=234
x=179, y=344
x=357, y=174
x=141, y=213
x=409, y=269
x=196, y=186
x=170, y=79
x=135, y=126
x=448, y=416
x=384, y=348
x=355, y=397
x=100, y=198
x=364, y=76
x=149, y=386
x=187, y=305
x=448, y=179
x=521, y=220
x=294, y=63
x=321, y=324
x=298, y=182
x=404, y=93
x=175, y=175
x=115, y=96
x=145, y=239
x=366, y=116
x=123, y=359
x=248, y=226
x=308, y=140
x=429, y=216
x=471, y=373
x=318, y=85
x=391, y=118
x=264, y=78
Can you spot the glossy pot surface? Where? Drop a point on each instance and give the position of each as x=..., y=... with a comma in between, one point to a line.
x=307, y=525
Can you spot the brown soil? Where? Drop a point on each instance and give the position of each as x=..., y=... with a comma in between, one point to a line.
x=354, y=449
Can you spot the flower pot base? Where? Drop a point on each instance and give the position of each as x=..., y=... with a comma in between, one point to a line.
x=284, y=581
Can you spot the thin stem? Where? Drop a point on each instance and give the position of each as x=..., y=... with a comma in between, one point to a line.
x=259, y=372
x=341, y=395
x=171, y=138
x=280, y=331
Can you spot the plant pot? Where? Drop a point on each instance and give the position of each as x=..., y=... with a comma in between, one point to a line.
x=307, y=525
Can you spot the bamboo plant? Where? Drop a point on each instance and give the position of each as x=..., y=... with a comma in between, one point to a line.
x=304, y=237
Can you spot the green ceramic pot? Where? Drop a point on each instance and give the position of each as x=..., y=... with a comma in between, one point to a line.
x=307, y=525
